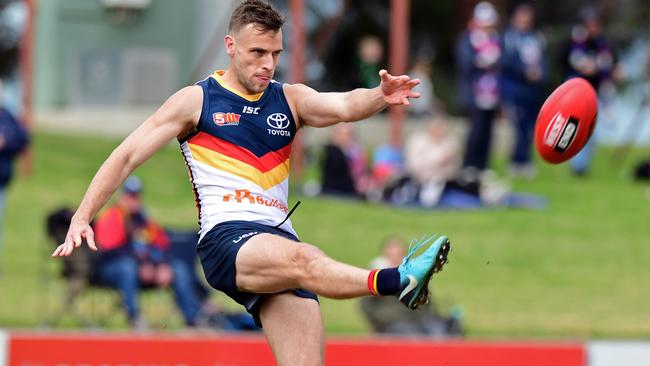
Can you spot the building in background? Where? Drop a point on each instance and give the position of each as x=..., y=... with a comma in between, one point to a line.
x=128, y=52
x=91, y=57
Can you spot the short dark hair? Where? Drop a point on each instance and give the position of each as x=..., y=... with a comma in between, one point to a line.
x=258, y=12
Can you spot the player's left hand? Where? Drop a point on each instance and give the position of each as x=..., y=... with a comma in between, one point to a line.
x=397, y=89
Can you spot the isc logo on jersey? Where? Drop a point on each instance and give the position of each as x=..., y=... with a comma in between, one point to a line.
x=226, y=119
x=279, y=122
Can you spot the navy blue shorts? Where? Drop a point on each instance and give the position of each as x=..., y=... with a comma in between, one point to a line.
x=218, y=251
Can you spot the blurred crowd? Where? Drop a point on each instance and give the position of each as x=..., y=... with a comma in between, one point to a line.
x=503, y=74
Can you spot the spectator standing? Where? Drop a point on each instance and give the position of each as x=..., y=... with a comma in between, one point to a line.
x=589, y=55
x=478, y=55
x=524, y=70
x=13, y=18
x=13, y=139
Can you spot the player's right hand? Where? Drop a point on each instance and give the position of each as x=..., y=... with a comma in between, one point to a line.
x=397, y=89
x=76, y=233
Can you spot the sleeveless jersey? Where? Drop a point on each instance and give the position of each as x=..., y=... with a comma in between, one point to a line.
x=238, y=159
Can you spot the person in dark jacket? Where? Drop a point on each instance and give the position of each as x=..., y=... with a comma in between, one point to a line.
x=343, y=168
x=13, y=139
x=478, y=55
x=589, y=55
x=524, y=72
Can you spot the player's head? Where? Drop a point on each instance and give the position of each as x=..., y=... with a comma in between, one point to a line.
x=258, y=12
x=254, y=43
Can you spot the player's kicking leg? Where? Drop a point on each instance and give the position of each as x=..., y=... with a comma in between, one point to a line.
x=270, y=263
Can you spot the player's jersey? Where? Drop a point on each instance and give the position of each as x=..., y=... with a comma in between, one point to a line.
x=239, y=156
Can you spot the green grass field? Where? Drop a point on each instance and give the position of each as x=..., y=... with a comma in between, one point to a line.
x=577, y=269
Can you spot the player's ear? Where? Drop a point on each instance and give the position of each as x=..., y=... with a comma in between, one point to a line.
x=229, y=43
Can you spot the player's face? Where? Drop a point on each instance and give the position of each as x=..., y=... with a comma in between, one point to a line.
x=255, y=56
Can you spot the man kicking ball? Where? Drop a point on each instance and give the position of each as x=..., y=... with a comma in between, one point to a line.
x=235, y=129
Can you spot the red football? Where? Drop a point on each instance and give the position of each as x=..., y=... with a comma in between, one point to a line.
x=566, y=120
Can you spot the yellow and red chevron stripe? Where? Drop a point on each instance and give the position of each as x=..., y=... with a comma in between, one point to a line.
x=266, y=171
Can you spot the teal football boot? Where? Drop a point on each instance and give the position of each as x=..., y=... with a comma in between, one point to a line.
x=424, y=258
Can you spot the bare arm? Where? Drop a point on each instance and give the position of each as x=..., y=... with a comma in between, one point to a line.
x=325, y=109
x=175, y=118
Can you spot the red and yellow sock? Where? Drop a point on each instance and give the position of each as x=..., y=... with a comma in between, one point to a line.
x=384, y=281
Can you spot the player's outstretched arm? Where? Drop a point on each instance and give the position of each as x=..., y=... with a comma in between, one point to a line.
x=175, y=118
x=325, y=109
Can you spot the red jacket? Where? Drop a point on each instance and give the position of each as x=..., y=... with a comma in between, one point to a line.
x=114, y=230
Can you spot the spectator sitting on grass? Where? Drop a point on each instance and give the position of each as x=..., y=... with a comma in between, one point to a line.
x=434, y=168
x=344, y=164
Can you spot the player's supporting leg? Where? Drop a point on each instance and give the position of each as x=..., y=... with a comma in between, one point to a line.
x=269, y=264
x=294, y=329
